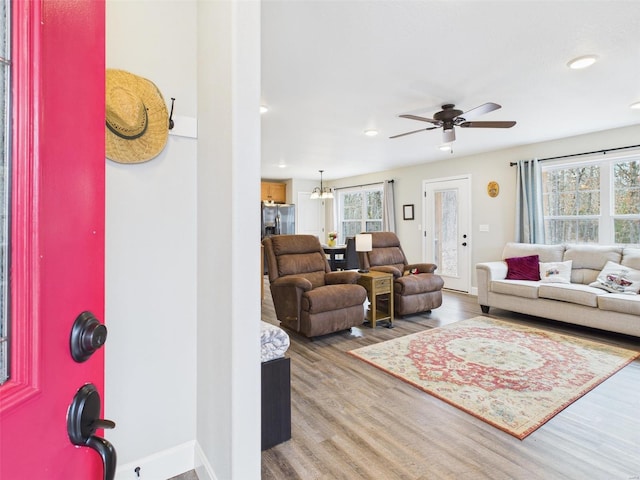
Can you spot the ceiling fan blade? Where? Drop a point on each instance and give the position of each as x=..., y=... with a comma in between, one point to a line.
x=481, y=110
x=422, y=119
x=414, y=131
x=487, y=124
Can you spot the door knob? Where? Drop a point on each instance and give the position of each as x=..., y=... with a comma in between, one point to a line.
x=464, y=244
x=87, y=336
x=83, y=421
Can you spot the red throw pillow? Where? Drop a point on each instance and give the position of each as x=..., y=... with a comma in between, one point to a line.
x=523, y=268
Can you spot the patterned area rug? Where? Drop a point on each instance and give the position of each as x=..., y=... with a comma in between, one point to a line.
x=511, y=376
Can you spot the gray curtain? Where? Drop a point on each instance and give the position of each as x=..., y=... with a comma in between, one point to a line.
x=331, y=216
x=388, y=208
x=529, y=213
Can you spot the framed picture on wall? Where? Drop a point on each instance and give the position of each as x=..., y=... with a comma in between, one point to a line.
x=407, y=212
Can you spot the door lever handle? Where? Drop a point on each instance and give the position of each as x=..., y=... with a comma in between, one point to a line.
x=107, y=452
x=83, y=421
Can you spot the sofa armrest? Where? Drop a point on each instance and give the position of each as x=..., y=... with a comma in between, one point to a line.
x=422, y=267
x=292, y=281
x=387, y=269
x=345, y=276
x=486, y=273
x=286, y=293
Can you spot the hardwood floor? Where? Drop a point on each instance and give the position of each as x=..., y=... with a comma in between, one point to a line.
x=353, y=421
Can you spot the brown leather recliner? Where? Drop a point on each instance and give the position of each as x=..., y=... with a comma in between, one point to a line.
x=413, y=293
x=308, y=297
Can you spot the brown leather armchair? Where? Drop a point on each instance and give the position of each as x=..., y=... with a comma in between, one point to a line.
x=308, y=297
x=413, y=293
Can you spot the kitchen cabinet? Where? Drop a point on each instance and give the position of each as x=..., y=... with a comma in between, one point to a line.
x=273, y=192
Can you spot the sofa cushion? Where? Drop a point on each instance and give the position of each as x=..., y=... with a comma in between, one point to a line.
x=517, y=288
x=555, y=272
x=589, y=260
x=616, y=278
x=572, y=293
x=523, y=268
x=333, y=297
x=631, y=257
x=547, y=253
x=620, y=302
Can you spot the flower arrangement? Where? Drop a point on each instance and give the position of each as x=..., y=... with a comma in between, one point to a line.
x=333, y=236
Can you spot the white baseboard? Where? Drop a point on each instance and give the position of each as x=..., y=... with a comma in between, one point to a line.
x=162, y=465
x=204, y=470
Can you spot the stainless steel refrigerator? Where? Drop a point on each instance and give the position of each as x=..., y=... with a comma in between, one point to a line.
x=278, y=219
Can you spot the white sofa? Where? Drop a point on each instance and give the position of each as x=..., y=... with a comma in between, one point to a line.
x=575, y=302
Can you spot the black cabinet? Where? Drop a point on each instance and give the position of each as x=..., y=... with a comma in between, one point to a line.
x=276, y=402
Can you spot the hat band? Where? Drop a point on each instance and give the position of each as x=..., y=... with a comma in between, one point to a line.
x=129, y=137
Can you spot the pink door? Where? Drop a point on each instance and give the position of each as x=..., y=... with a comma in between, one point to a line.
x=57, y=236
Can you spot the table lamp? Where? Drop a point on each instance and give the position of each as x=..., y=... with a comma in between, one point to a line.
x=363, y=244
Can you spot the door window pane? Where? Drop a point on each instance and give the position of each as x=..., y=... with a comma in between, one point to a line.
x=446, y=231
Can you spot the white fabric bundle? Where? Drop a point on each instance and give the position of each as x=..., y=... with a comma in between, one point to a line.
x=274, y=342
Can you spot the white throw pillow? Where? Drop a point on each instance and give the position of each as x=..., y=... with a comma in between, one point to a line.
x=556, y=272
x=617, y=278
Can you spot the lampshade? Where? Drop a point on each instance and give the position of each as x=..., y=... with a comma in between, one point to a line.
x=363, y=242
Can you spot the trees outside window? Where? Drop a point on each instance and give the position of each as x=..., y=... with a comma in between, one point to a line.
x=359, y=210
x=594, y=202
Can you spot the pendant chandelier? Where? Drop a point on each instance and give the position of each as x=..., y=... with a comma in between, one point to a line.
x=320, y=192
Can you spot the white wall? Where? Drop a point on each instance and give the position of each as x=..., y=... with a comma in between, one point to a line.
x=228, y=385
x=182, y=367
x=151, y=245
x=499, y=212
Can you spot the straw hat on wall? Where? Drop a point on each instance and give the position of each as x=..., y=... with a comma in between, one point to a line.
x=137, y=125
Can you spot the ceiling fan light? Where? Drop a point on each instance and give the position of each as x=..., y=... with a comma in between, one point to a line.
x=371, y=133
x=582, y=62
x=445, y=147
x=448, y=135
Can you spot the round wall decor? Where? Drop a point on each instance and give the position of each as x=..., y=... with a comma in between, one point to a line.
x=493, y=189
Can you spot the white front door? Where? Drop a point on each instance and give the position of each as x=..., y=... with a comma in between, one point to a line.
x=447, y=239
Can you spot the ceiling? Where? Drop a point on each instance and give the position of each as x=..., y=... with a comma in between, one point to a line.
x=332, y=69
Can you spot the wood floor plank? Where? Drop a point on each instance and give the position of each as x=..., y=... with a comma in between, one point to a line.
x=351, y=420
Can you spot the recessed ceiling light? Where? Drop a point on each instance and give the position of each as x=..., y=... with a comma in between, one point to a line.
x=370, y=133
x=635, y=106
x=582, y=62
x=264, y=109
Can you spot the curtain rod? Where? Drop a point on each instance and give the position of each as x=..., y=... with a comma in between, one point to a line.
x=604, y=151
x=363, y=185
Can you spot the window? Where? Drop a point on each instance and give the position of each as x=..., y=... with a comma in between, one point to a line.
x=359, y=210
x=592, y=202
x=5, y=89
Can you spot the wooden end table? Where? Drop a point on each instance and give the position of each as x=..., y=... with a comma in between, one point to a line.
x=378, y=283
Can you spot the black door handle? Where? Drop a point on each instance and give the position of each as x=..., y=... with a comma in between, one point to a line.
x=83, y=421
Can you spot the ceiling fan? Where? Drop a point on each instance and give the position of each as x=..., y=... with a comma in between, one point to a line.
x=449, y=118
